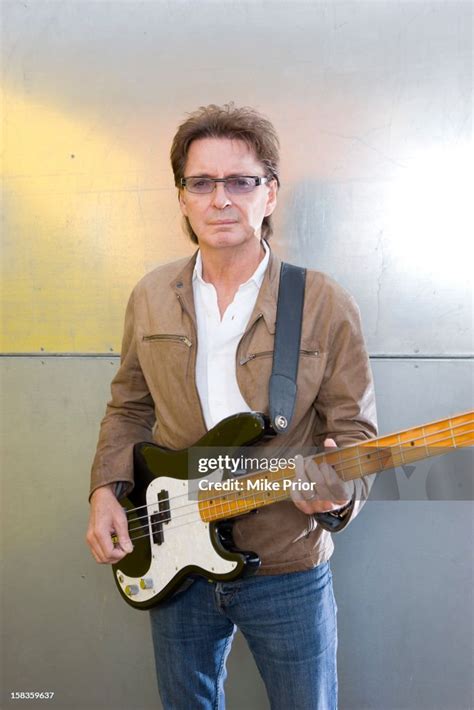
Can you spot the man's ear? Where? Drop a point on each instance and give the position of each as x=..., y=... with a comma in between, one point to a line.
x=182, y=203
x=272, y=198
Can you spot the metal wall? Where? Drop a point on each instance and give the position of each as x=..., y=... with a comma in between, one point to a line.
x=372, y=101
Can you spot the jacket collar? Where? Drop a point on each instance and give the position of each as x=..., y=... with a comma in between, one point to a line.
x=266, y=303
x=267, y=298
x=182, y=285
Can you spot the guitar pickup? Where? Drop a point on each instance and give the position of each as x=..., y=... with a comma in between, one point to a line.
x=157, y=520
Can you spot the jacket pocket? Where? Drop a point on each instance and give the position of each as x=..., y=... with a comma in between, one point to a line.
x=269, y=353
x=167, y=338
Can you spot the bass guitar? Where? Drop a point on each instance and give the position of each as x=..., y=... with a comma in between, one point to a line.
x=178, y=530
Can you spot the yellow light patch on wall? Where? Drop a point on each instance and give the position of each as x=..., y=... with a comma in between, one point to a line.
x=80, y=229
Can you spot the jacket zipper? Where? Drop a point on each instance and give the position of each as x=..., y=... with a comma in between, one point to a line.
x=266, y=353
x=182, y=338
x=250, y=326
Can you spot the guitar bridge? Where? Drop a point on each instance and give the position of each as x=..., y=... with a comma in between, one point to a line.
x=157, y=520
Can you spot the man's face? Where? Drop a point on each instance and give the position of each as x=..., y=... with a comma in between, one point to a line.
x=220, y=219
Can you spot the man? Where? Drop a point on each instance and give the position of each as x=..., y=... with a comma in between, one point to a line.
x=197, y=347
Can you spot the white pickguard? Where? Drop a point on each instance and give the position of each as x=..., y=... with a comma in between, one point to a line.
x=186, y=542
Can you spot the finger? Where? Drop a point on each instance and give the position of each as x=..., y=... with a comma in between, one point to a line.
x=324, y=506
x=301, y=490
x=117, y=555
x=97, y=549
x=99, y=537
x=299, y=472
x=121, y=530
x=318, y=506
x=329, y=444
x=104, y=545
x=304, y=506
x=104, y=558
x=92, y=544
x=337, y=488
x=95, y=556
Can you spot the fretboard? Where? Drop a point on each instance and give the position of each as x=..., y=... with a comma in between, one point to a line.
x=351, y=462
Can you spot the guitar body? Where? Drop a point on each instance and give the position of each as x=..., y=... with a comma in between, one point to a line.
x=171, y=541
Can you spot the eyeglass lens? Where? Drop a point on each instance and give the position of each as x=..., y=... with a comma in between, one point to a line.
x=235, y=185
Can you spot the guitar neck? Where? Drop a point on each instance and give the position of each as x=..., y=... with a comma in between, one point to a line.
x=351, y=462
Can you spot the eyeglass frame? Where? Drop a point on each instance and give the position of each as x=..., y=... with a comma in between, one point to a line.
x=260, y=180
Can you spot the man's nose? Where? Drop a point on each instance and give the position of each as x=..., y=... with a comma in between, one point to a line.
x=220, y=198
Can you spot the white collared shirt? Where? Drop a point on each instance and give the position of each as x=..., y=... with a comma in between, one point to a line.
x=218, y=339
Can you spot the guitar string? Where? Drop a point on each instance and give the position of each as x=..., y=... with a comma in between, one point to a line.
x=237, y=499
x=201, y=509
x=192, y=508
x=191, y=522
x=341, y=465
x=197, y=512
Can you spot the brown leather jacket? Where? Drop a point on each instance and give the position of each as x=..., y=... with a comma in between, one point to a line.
x=154, y=395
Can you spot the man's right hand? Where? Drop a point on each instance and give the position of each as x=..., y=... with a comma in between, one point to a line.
x=107, y=518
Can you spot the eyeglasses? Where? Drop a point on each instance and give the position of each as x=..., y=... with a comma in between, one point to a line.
x=237, y=185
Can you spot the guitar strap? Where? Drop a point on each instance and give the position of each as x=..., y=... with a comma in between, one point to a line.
x=286, y=352
x=285, y=370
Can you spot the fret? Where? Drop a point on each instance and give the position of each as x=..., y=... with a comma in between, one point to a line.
x=426, y=448
x=360, y=466
x=399, y=439
x=451, y=432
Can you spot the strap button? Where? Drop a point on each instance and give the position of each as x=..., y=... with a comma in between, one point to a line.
x=281, y=422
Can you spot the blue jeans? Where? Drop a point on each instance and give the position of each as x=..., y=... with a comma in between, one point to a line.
x=288, y=620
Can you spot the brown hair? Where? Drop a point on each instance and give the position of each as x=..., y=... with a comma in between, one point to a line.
x=228, y=121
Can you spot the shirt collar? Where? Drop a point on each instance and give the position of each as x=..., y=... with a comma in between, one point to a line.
x=256, y=278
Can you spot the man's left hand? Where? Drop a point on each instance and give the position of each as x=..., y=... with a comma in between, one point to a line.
x=329, y=492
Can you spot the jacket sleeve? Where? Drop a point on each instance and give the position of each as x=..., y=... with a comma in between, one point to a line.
x=129, y=417
x=345, y=405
